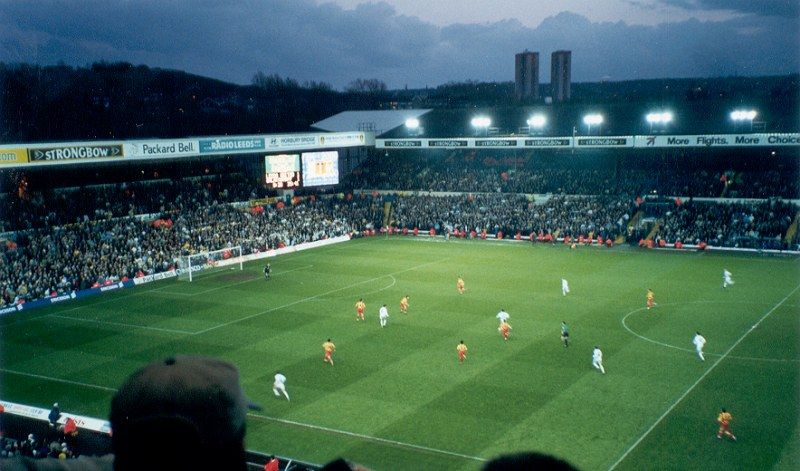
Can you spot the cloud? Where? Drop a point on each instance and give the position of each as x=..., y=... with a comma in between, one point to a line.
x=783, y=8
x=233, y=39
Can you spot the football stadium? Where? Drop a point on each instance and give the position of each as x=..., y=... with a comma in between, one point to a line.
x=154, y=267
x=607, y=282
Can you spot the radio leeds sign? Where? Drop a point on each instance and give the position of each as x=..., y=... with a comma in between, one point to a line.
x=47, y=154
x=231, y=144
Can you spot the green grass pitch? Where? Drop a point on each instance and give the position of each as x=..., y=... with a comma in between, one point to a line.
x=397, y=398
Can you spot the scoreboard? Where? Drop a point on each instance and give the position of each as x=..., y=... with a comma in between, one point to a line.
x=282, y=171
x=321, y=168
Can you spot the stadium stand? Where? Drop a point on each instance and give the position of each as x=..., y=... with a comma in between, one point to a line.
x=60, y=240
x=489, y=171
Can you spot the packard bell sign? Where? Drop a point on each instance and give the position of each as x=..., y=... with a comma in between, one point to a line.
x=74, y=153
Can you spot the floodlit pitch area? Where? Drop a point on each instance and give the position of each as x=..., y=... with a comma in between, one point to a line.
x=397, y=397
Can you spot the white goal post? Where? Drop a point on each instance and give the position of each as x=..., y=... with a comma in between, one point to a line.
x=191, y=265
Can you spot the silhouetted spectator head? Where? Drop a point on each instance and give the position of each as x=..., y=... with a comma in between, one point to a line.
x=185, y=412
x=527, y=461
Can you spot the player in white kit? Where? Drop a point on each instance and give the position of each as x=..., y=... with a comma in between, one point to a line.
x=564, y=287
x=502, y=315
x=699, y=341
x=279, y=386
x=597, y=359
x=727, y=278
x=383, y=315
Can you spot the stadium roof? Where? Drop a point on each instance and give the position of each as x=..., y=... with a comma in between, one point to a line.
x=380, y=121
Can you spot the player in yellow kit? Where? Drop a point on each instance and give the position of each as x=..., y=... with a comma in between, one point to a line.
x=328, y=347
x=724, y=418
x=460, y=285
x=360, y=306
x=462, y=351
x=404, y=305
x=651, y=298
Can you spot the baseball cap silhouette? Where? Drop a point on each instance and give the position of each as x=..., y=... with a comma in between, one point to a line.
x=183, y=412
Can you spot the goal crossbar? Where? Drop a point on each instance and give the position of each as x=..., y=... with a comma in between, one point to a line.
x=191, y=265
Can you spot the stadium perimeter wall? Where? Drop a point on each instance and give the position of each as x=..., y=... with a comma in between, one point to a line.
x=671, y=247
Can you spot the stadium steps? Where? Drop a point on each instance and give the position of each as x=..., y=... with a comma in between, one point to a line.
x=634, y=221
x=387, y=213
x=656, y=228
x=724, y=192
x=791, y=232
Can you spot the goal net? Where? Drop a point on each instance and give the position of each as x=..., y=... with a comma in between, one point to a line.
x=205, y=263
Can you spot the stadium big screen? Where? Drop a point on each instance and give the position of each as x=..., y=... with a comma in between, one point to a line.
x=282, y=171
x=321, y=168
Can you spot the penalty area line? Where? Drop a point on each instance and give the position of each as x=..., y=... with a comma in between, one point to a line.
x=226, y=286
x=120, y=324
x=311, y=298
x=57, y=380
x=367, y=437
x=701, y=378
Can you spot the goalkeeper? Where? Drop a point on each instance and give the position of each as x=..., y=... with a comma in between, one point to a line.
x=267, y=271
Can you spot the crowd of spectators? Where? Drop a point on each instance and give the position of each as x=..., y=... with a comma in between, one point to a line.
x=54, y=445
x=748, y=225
x=32, y=209
x=468, y=172
x=91, y=252
x=34, y=448
x=559, y=216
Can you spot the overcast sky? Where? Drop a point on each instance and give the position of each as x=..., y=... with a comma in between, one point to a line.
x=409, y=42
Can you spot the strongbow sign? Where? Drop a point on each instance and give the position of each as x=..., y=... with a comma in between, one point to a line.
x=75, y=153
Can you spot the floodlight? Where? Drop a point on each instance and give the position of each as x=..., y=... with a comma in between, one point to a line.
x=537, y=121
x=481, y=122
x=412, y=123
x=663, y=117
x=592, y=119
x=743, y=115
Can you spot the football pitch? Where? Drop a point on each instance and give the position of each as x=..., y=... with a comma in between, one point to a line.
x=397, y=398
